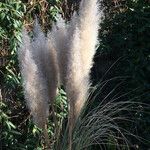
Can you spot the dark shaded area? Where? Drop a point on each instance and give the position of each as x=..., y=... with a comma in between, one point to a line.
x=124, y=52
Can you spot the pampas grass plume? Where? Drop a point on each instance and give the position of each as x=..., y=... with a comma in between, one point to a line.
x=59, y=37
x=88, y=22
x=33, y=82
x=39, y=72
x=45, y=58
x=84, y=28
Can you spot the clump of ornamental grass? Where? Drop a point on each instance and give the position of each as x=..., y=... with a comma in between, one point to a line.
x=68, y=48
x=65, y=57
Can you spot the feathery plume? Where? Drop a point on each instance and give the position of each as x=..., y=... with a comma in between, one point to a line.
x=34, y=83
x=75, y=83
x=88, y=23
x=81, y=52
x=40, y=76
x=45, y=58
x=58, y=35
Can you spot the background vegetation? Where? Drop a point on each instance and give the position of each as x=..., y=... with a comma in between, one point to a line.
x=124, y=45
